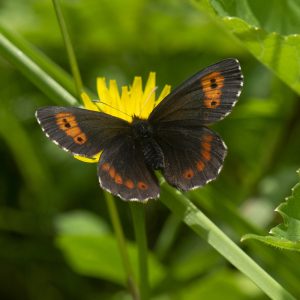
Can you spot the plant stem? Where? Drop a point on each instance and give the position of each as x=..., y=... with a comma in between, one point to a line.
x=196, y=220
x=69, y=48
x=138, y=216
x=114, y=216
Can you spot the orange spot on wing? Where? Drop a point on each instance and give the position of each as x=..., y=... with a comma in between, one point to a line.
x=105, y=167
x=129, y=184
x=118, y=179
x=112, y=172
x=212, y=85
x=206, y=146
x=67, y=123
x=188, y=174
x=208, y=138
x=142, y=185
x=206, y=155
x=212, y=103
x=200, y=165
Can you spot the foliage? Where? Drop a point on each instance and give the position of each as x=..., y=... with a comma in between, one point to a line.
x=92, y=250
x=287, y=234
x=272, y=40
x=49, y=250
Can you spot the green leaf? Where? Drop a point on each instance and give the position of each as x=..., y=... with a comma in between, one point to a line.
x=287, y=234
x=195, y=263
x=80, y=222
x=231, y=285
x=99, y=256
x=258, y=13
x=277, y=51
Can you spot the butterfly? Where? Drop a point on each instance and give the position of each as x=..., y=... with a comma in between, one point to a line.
x=174, y=139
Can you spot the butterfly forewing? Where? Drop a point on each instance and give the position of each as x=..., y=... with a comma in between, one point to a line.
x=80, y=131
x=208, y=96
x=123, y=172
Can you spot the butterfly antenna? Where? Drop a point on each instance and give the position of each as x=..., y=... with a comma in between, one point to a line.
x=147, y=100
x=101, y=102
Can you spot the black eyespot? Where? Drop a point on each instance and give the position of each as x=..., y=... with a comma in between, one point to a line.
x=213, y=85
x=79, y=139
x=67, y=125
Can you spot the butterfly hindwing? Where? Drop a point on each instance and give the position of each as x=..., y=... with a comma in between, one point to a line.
x=208, y=96
x=123, y=172
x=193, y=156
x=79, y=131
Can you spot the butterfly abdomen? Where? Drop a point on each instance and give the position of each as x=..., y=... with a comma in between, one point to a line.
x=152, y=153
x=143, y=134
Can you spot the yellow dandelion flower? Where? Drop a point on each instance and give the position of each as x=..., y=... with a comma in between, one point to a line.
x=133, y=101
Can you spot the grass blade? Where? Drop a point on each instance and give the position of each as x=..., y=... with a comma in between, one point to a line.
x=34, y=72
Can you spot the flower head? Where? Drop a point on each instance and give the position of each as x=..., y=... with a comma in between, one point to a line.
x=133, y=101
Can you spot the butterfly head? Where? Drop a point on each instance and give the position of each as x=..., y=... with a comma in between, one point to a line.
x=141, y=128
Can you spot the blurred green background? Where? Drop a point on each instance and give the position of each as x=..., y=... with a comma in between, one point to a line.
x=47, y=197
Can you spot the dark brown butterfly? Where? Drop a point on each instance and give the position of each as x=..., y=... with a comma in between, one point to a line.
x=174, y=139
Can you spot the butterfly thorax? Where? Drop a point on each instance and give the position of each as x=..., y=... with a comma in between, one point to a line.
x=143, y=134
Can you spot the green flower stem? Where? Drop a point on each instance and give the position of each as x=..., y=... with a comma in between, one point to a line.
x=69, y=48
x=138, y=216
x=34, y=72
x=196, y=220
x=122, y=244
